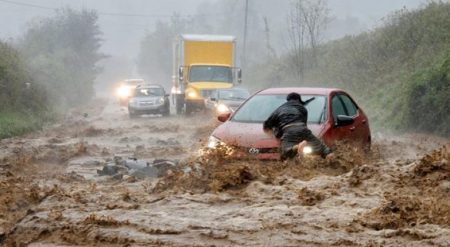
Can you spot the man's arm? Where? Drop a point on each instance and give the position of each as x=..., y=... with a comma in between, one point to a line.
x=270, y=122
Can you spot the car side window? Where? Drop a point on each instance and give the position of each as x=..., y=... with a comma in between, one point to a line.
x=337, y=107
x=351, y=107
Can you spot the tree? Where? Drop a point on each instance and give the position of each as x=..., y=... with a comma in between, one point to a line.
x=155, y=56
x=306, y=22
x=63, y=52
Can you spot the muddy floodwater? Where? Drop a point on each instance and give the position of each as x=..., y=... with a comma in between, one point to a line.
x=74, y=184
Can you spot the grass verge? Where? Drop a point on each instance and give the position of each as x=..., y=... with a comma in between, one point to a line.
x=17, y=123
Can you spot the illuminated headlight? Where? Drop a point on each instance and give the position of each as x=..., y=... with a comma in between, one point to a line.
x=221, y=108
x=307, y=150
x=213, y=142
x=123, y=92
x=175, y=90
x=192, y=94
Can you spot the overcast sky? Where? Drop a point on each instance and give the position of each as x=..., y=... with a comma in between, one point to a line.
x=123, y=33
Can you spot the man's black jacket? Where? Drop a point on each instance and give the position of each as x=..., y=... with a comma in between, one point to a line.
x=290, y=112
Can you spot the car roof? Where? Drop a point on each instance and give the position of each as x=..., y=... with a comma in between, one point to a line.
x=299, y=90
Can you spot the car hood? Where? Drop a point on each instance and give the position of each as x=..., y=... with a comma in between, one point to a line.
x=251, y=134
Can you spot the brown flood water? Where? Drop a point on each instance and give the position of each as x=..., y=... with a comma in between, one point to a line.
x=51, y=194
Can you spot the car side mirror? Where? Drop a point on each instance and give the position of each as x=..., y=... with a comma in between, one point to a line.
x=343, y=120
x=213, y=99
x=181, y=74
x=223, y=117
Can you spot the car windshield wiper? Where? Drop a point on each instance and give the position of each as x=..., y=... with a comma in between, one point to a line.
x=322, y=113
x=309, y=100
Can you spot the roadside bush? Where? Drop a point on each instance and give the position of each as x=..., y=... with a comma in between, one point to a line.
x=18, y=123
x=427, y=101
x=23, y=103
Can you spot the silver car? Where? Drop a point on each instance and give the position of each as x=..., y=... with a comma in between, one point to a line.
x=149, y=99
x=226, y=100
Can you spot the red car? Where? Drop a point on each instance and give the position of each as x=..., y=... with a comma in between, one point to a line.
x=332, y=116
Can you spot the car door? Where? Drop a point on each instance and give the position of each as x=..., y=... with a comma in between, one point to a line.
x=360, y=125
x=337, y=108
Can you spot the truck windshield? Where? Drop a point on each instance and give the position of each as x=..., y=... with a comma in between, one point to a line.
x=202, y=73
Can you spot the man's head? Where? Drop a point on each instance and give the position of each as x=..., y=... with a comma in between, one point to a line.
x=294, y=96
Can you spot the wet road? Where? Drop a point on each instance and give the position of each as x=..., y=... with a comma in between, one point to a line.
x=52, y=194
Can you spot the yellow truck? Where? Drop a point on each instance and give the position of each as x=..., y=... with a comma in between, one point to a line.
x=202, y=64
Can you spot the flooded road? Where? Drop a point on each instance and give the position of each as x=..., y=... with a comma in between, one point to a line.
x=53, y=191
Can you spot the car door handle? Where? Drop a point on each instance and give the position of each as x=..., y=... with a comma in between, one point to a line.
x=352, y=128
x=364, y=121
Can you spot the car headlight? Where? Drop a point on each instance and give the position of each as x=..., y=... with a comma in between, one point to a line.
x=307, y=150
x=175, y=90
x=123, y=92
x=161, y=101
x=213, y=142
x=221, y=108
x=192, y=94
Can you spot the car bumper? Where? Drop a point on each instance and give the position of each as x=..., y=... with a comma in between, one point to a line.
x=260, y=156
x=123, y=101
x=148, y=109
x=242, y=153
x=196, y=103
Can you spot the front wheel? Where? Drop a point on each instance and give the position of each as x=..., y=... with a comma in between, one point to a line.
x=189, y=109
x=166, y=112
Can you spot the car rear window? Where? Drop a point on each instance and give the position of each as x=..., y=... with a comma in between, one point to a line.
x=259, y=107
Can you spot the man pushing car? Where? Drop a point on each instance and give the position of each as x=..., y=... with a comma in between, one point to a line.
x=288, y=123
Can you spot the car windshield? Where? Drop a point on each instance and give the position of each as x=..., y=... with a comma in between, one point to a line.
x=143, y=92
x=233, y=94
x=259, y=107
x=199, y=73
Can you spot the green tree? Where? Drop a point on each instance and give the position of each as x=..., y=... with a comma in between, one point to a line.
x=18, y=92
x=63, y=52
x=23, y=103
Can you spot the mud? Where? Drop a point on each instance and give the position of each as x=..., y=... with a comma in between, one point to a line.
x=52, y=195
x=421, y=195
